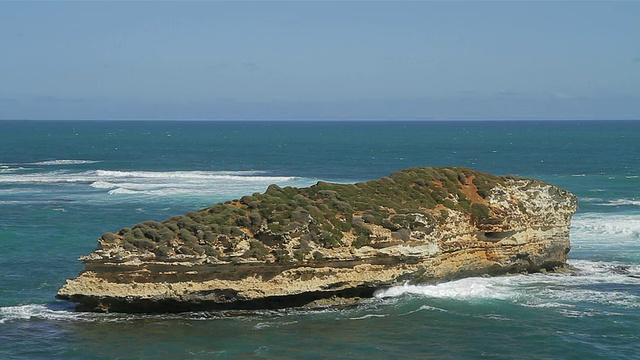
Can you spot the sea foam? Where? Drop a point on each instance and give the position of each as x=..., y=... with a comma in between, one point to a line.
x=463, y=289
x=601, y=225
x=37, y=311
x=63, y=162
x=593, y=284
x=157, y=183
x=622, y=202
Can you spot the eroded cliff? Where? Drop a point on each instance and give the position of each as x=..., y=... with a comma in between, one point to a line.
x=329, y=242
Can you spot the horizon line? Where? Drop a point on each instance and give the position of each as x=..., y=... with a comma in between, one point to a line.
x=333, y=119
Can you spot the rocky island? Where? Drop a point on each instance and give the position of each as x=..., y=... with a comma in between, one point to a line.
x=329, y=243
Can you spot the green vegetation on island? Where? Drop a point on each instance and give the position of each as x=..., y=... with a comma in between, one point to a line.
x=321, y=215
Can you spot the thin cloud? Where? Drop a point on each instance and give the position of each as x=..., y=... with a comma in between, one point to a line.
x=509, y=94
x=250, y=65
x=561, y=95
x=63, y=99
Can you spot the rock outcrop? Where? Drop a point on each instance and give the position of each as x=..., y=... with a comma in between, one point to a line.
x=329, y=243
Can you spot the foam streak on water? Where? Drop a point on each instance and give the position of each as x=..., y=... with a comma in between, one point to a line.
x=150, y=183
x=63, y=162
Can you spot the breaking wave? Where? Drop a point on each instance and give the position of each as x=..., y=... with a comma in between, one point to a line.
x=156, y=183
x=102, y=176
x=600, y=226
x=38, y=311
x=591, y=285
x=463, y=289
x=610, y=202
x=622, y=202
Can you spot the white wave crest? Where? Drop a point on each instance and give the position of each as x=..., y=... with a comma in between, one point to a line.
x=10, y=169
x=65, y=312
x=622, y=202
x=189, y=176
x=36, y=311
x=613, y=202
x=590, y=199
x=463, y=289
x=103, y=185
x=103, y=177
x=368, y=316
x=159, y=183
x=63, y=162
x=122, y=191
x=157, y=192
x=598, y=226
x=590, y=287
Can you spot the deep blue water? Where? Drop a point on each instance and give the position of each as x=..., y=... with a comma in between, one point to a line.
x=62, y=184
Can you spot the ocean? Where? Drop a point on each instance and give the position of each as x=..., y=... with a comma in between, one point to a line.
x=64, y=183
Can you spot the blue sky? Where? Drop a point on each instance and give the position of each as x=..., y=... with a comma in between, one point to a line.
x=319, y=60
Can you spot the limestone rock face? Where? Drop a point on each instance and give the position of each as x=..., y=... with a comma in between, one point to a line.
x=329, y=243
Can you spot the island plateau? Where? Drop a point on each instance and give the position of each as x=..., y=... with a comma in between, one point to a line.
x=329, y=243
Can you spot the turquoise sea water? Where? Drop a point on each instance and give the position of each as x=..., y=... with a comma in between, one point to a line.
x=62, y=184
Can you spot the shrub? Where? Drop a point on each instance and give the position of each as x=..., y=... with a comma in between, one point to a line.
x=330, y=238
x=340, y=224
x=317, y=256
x=162, y=251
x=256, y=250
x=199, y=250
x=479, y=212
x=359, y=228
x=209, y=236
x=109, y=237
x=128, y=246
x=362, y=240
x=255, y=221
x=275, y=227
x=243, y=221
x=247, y=199
x=299, y=255
x=171, y=224
x=388, y=224
x=165, y=235
x=210, y=251
x=484, y=184
x=300, y=215
x=374, y=217
x=137, y=233
x=185, y=250
x=450, y=204
x=234, y=231
x=402, y=234
x=464, y=205
x=186, y=236
x=301, y=200
x=152, y=234
x=128, y=237
x=282, y=256
x=143, y=244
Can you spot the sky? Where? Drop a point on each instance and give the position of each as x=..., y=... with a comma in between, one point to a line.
x=419, y=60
